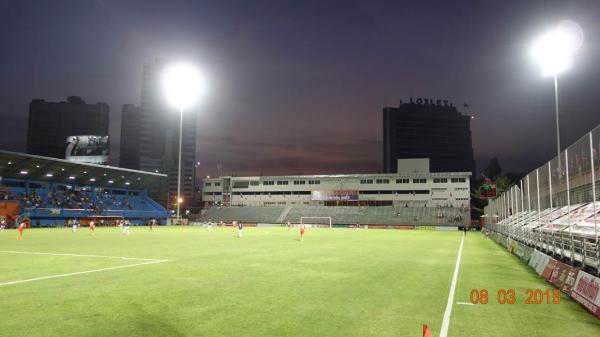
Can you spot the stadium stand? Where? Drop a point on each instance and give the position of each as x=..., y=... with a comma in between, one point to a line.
x=555, y=208
x=51, y=192
x=343, y=215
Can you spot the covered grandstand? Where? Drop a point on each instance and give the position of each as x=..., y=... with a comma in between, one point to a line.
x=52, y=192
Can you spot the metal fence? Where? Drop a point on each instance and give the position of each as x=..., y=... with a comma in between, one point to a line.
x=555, y=207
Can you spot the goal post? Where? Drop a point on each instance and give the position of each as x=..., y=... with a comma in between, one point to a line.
x=316, y=221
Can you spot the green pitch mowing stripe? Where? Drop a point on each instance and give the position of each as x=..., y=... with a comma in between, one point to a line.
x=337, y=282
x=487, y=265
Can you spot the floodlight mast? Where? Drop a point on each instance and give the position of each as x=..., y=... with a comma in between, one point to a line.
x=183, y=85
x=554, y=52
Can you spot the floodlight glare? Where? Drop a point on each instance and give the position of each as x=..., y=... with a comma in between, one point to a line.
x=183, y=85
x=554, y=51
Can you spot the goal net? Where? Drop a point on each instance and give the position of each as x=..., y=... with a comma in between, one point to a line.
x=316, y=221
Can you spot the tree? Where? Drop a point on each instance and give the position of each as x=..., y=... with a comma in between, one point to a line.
x=493, y=169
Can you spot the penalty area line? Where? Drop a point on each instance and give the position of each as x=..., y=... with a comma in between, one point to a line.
x=80, y=255
x=81, y=272
x=448, y=312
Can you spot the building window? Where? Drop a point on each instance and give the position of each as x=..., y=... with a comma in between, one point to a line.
x=299, y=182
x=207, y=184
x=402, y=181
x=314, y=182
x=241, y=184
x=366, y=181
x=217, y=184
x=440, y=180
x=420, y=181
x=282, y=182
x=268, y=182
x=458, y=180
x=383, y=181
x=254, y=183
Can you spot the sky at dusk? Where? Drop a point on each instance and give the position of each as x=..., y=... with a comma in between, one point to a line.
x=298, y=87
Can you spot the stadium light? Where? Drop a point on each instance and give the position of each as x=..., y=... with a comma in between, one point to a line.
x=183, y=87
x=554, y=52
x=23, y=172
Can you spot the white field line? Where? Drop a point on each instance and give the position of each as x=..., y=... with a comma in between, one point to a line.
x=82, y=255
x=465, y=303
x=448, y=312
x=80, y=272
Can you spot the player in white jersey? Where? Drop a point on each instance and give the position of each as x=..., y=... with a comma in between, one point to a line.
x=126, y=227
x=210, y=225
x=240, y=227
x=74, y=226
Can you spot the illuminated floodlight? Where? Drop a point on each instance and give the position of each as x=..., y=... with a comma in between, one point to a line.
x=554, y=50
x=111, y=181
x=23, y=172
x=71, y=177
x=92, y=179
x=49, y=175
x=183, y=85
x=180, y=200
x=127, y=183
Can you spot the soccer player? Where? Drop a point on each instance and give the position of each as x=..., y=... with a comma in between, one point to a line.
x=92, y=226
x=74, y=226
x=21, y=228
x=240, y=226
x=152, y=223
x=289, y=224
x=125, y=227
x=2, y=225
x=210, y=225
x=357, y=226
x=302, y=229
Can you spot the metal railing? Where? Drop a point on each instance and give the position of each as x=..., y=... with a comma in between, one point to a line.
x=555, y=207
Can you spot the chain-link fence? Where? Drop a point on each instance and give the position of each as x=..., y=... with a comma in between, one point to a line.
x=555, y=207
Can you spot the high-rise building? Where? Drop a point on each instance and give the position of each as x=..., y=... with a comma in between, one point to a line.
x=130, y=137
x=50, y=123
x=427, y=128
x=158, y=128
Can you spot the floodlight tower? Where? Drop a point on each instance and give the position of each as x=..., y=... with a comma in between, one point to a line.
x=183, y=87
x=553, y=52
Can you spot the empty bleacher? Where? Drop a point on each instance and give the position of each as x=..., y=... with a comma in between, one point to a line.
x=381, y=215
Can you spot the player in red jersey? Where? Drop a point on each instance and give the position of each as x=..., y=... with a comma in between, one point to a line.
x=92, y=226
x=302, y=228
x=21, y=228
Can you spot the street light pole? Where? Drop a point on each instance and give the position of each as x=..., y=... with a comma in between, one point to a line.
x=179, y=165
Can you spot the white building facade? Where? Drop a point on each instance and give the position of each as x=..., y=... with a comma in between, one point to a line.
x=414, y=186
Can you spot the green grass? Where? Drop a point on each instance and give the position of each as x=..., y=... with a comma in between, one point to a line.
x=338, y=282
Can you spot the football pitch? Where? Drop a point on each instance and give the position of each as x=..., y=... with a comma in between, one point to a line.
x=174, y=281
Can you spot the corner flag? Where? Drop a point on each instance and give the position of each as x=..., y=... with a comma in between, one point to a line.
x=426, y=332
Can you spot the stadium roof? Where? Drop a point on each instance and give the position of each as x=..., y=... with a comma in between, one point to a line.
x=31, y=167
